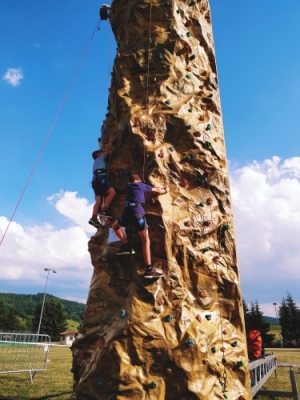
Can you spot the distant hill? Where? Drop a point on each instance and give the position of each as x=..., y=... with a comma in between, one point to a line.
x=25, y=304
x=271, y=320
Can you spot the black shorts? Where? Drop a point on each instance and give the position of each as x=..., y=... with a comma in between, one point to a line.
x=100, y=184
x=129, y=217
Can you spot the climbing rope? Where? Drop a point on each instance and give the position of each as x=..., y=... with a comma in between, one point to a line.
x=50, y=130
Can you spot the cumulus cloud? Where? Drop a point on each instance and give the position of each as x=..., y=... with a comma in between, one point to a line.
x=13, y=76
x=265, y=200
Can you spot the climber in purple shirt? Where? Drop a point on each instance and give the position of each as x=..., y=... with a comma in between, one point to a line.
x=134, y=214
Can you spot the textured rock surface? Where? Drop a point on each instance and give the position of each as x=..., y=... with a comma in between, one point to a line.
x=182, y=336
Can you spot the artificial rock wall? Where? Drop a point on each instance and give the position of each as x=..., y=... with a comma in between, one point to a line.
x=180, y=337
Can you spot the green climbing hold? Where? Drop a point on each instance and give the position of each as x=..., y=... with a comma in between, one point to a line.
x=192, y=57
x=188, y=76
x=188, y=34
x=189, y=127
x=201, y=205
x=208, y=144
x=213, y=349
x=239, y=364
x=206, y=248
x=234, y=344
x=126, y=94
x=190, y=110
x=208, y=127
x=167, y=102
x=208, y=317
x=154, y=384
x=226, y=227
x=169, y=318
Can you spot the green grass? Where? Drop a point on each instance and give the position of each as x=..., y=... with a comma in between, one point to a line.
x=72, y=325
x=282, y=381
x=53, y=384
x=56, y=382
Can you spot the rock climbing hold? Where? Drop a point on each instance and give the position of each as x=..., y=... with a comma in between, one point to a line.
x=188, y=76
x=207, y=223
x=188, y=23
x=169, y=371
x=208, y=317
x=100, y=384
x=205, y=362
x=221, y=289
x=188, y=223
x=190, y=342
x=225, y=396
x=209, y=201
x=188, y=157
x=198, y=318
x=216, y=258
x=101, y=342
x=224, y=361
x=201, y=204
x=207, y=144
x=169, y=317
x=201, y=118
x=91, y=312
x=203, y=294
x=189, y=127
x=167, y=102
x=208, y=127
x=239, y=364
x=126, y=94
x=154, y=384
x=183, y=183
x=213, y=349
x=234, y=344
x=224, y=331
x=167, y=4
x=190, y=110
x=188, y=34
x=192, y=57
x=123, y=313
x=226, y=227
x=119, y=290
x=178, y=11
x=197, y=134
x=205, y=250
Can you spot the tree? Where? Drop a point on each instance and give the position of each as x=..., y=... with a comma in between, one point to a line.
x=53, y=320
x=257, y=321
x=289, y=318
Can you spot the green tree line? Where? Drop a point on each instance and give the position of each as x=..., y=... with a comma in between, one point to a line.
x=21, y=313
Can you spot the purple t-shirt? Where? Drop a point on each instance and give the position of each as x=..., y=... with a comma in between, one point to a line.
x=135, y=193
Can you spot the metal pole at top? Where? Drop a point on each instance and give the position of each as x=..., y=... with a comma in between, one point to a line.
x=280, y=336
x=42, y=309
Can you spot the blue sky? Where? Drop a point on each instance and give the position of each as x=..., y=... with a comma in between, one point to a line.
x=42, y=45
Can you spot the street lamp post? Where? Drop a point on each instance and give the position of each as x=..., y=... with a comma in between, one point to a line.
x=42, y=310
x=280, y=336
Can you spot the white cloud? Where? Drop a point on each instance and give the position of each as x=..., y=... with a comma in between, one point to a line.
x=265, y=199
x=13, y=76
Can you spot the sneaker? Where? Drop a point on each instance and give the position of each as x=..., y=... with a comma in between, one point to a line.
x=153, y=274
x=95, y=223
x=104, y=214
x=125, y=250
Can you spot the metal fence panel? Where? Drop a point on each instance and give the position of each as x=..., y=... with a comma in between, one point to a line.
x=23, y=352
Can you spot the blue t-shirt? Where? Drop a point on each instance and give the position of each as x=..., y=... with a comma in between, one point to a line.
x=99, y=163
x=135, y=193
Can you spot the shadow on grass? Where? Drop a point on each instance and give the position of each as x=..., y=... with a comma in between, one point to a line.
x=50, y=397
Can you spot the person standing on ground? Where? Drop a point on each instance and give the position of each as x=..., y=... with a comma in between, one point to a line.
x=102, y=187
x=134, y=214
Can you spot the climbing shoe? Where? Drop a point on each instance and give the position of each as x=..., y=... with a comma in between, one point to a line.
x=153, y=274
x=125, y=250
x=95, y=223
x=104, y=214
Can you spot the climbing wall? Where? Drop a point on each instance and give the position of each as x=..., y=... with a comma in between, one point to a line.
x=181, y=337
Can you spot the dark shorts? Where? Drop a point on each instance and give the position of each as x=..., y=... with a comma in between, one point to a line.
x=129, y=217
x=100, y=184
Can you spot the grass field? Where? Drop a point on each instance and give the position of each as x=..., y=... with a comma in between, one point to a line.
x=56, y=382
x=53, y=384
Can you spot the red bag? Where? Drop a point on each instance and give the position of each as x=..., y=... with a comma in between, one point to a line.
x=254, y=344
